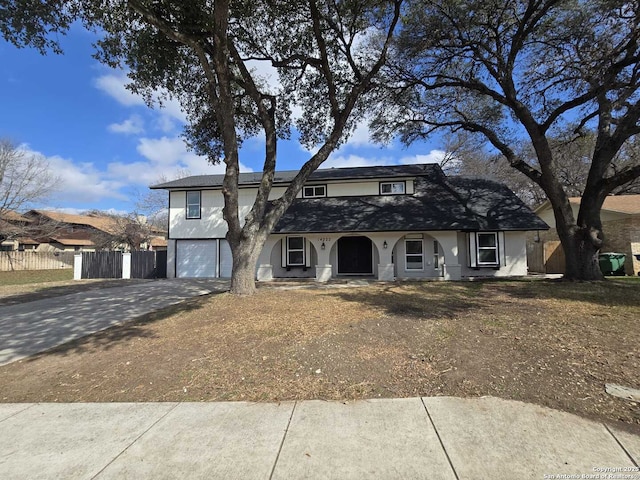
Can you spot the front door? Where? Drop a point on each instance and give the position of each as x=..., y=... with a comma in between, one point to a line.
x=355, y=256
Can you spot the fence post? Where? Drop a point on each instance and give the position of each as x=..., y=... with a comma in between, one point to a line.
x=77, y=267
x=126, y=265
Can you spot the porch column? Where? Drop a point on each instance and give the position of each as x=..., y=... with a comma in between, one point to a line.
x=323, y=244
x=264, y=268
x=449, y=242
x=385, y=242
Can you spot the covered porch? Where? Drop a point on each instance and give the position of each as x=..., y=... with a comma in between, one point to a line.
x=385, y=256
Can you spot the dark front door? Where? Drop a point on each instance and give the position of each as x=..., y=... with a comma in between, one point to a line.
x=355, y=256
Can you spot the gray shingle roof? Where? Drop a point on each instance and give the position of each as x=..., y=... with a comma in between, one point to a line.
x=439, y=203
x=254, y=178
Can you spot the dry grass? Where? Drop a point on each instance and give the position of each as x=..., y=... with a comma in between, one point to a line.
x=551, y=343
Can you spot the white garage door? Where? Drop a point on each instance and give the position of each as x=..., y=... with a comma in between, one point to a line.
x=196, y=258
x=226, y=260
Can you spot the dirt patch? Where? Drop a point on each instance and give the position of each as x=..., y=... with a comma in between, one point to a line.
x=550, y=343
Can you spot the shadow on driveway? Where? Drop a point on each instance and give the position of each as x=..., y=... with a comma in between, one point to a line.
x=34, y=327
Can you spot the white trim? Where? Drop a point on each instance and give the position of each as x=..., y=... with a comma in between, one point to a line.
x=391, y=192
x=406, y=255
x=303, y=250
x=189, y=217
x=495, y=248
x=315, y=195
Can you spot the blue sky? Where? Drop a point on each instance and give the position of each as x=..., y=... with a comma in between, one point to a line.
x=106, y=146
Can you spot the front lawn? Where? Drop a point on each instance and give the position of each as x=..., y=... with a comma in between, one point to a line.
x=553, y=343
x=22, y=277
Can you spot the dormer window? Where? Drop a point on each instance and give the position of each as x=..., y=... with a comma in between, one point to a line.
x=314, y=191
x=392, y=188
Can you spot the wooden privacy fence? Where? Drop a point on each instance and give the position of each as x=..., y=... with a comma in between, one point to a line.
x=139, y=264
x=33, y=260
x=101, y=265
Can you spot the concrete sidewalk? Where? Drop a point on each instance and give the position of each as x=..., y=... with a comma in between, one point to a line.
x=414, y=438
x=33, y=327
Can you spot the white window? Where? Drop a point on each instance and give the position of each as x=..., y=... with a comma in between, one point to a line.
x=193, y=204
x=436, y=255
x=314, y=191
x=414, y=258
x=392, y=188
x=295, y=251
x=487, y=248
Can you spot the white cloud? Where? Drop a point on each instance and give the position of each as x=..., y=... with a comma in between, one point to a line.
x=165, y=156
x=360, y=136
x=162, y=150
x=340, y=161
x=114, y=86
x=434, y=156
x=165, y=124
x=132, y=125
x=81, y=182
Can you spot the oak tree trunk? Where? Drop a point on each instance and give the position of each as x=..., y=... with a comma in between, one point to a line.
x=581, y=255
x=246, y=251
x=581, y=239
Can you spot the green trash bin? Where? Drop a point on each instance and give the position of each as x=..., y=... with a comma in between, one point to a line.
x=612, y=263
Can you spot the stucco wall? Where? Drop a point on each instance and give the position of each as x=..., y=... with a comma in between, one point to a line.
x=429, y=270
x=294, y=272
x=211, y=223
x=513, y=257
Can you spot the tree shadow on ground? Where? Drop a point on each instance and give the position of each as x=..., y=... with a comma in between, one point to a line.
x=111, y=337
x=421, y=300
x=609, y=292
x=58, y=291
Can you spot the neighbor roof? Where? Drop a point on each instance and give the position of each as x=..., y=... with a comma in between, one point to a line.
x=11, y=216
x=439, y=203
x=74, y=241
x=105, y=224
x=627, y=204
x=353, y=173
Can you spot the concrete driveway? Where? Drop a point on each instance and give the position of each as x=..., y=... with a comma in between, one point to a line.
x=33, y=327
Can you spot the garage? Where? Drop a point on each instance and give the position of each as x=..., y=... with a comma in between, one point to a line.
x=226, y=260
x=196, y=258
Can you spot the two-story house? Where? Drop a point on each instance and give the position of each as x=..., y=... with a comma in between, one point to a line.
x=385, y=222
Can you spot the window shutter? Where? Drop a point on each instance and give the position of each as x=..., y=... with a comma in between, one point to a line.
x=283, y=252
x=307, y=253
x=473, y=251
x=502, y=251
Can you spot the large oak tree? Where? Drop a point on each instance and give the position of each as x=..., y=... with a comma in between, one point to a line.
x=327, y=54
x=520, y=73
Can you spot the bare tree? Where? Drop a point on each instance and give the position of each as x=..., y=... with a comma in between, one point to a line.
x=128, y=231
x=153, y=204
x=25, y=181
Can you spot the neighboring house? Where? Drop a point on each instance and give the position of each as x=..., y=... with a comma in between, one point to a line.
x=15, y=232
x=67, y=232
x=390, y=222
x=158, y=244
x=620, y=217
